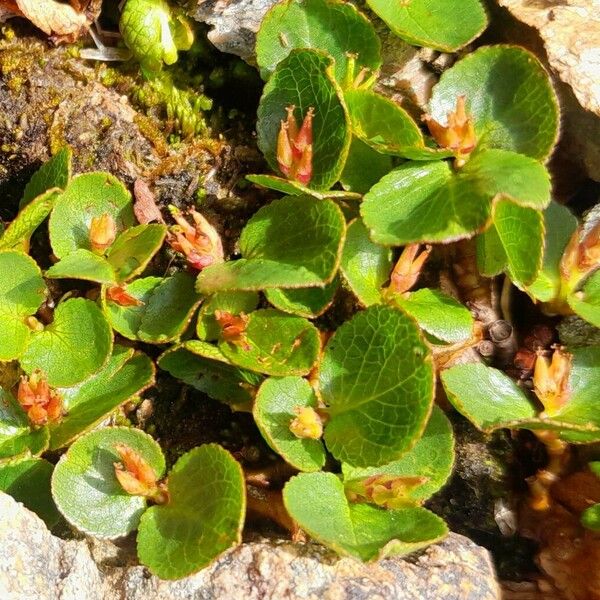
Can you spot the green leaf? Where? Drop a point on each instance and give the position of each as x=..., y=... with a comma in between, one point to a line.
x=87, y=196
x=293, y=242
x=304, y=79
x=18, y=234
x=17, y=438
x=74, y=346
x=83, y=264
x=431, y=202
x=293, y=188
x=168, y=306
x=364, y=167
x=559, y=225
x=328, y=25
x=366, y=266
x=386, y=127
x=87, y=404
x=235, y=303
x=22, y=291
x=203, y=367
x=86, y=490
x=440, y=315
x=487, y=397
x=28, y=482
x=514, y=241
x=304, y=302
x=275, y=343
x=586, y=302
x=432, y=457
x=376, y=378
x=274, y=410
x=445, y=25
x=55, y=173
x=509, y=95
x=204, y=516
x=318, y=503
x=590, y=517
x=134, y=249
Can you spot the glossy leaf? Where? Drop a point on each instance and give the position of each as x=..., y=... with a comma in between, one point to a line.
x=235, y=303
x=586, y=302
x=509, y=96
x=203, y=367
x=432, y=458
x=294, y=188
x=293, y=242
x=204, y=516
x=430, y=202
x=440, y=315
x=445, y=25
x=17, y=438
x=86, y=490
x=274, y=343
x=28, y=482
x=74, y=346
x=87, y=196
x=514, y=242
x=318, y=503
x=274, y=410
x=304, y=302
x=54, y=173
x=376, y=379
x=83, y=264
x=22, y=291
x=304, y=79
x=168, y=305
x=364, y=167
x=335, y=27
x=126, y=375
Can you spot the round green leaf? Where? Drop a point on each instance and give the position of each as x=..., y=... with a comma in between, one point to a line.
x=432, y=457
x=55, y=173
x=586, y=302
x=232, y=302
x=445, y=25
x=74, y=346
x=168, y=307
x=440, y=315
x=28, y=481
x=509, y=95
x=22, y=291
x=275, y=343
x=204, y=516
x=126, y=374
x=274, y=409
x=17, y=438
x=431, y=202
x=86, y=490
x=83, y=264
x=376, y=378
x=335, y=27
x=365, y=265
x=304, y=79
x=590, y=517
x=87, y=196
x=364, y=167
x=294, y=188
x=318, y=503
x=304, y=302
x=202, y=366
x=293, y=242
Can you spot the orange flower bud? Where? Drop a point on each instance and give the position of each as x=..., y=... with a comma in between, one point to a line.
x=137, y=477
x=294, y=147
x=233, y=327
x=408, y=268
x=308, y=424
x=200, y=242
x=388, y=491
x=41, y=403
x=103, y=231
x=551, y=379
x=459, y=134
x=119, y=295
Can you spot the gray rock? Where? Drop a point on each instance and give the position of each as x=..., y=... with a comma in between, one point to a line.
x=36, y=565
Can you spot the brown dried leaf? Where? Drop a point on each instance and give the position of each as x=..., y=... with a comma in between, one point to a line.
x=54, y=18
x=144, y=207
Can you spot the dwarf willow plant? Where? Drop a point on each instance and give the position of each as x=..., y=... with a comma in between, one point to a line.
x=350, y=411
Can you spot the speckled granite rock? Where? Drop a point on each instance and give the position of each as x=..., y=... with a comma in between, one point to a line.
x=36, y=565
